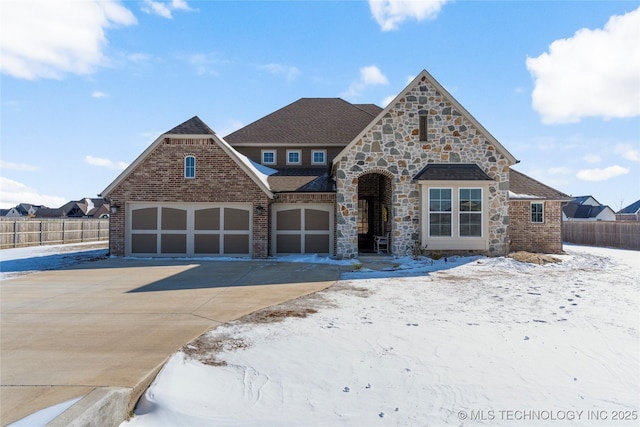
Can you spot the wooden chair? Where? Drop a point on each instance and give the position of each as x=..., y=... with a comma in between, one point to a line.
x=381, y=241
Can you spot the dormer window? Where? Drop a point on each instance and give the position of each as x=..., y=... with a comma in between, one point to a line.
x=268, y=157
x=189, y=167
x=294, y=157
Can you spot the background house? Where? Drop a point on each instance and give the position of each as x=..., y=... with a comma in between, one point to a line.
x=587, y=208
x=629, y=213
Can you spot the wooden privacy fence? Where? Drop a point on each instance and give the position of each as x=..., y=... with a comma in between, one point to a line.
x=21, y=232
x=611, y=234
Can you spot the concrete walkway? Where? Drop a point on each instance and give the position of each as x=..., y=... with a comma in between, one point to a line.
x=113, y=322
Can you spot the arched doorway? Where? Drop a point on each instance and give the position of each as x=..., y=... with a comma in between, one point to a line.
x=374, y=209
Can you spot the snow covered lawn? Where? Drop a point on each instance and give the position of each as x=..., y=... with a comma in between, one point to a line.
x=472, y=341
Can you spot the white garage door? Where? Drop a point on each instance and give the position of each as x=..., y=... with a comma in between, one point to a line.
x=302, y=229
x=191, y=230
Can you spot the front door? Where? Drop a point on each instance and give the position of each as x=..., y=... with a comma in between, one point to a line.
x=365, y=224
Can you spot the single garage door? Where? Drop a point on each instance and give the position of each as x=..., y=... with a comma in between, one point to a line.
x=191, y=230
x=302, y=229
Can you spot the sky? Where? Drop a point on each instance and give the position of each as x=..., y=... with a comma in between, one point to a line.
x=87, y=85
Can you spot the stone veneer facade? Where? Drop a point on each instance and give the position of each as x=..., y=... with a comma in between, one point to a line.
x=160, y=178
x=392, y=147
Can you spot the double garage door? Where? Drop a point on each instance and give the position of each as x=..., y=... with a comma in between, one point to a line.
x=302, y=228
x=192, y=230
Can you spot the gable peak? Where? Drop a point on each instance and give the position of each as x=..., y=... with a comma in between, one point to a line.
x=193, y=126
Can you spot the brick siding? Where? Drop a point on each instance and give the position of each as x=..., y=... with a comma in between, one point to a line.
x=545, y=237
x=160, y=178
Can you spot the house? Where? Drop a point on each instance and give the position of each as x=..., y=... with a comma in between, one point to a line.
x=587, y=208
x=325, y=176
x=629, y=213
x=22, y=210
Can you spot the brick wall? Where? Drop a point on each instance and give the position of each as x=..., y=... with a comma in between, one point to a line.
x=543, y=237
x=160, y=178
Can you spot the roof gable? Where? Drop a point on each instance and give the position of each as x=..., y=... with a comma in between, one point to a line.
x=195, y=125
x=420, y=80
x=312, y=121
x=522, y=186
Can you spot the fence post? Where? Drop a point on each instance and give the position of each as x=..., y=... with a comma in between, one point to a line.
x=15, y=233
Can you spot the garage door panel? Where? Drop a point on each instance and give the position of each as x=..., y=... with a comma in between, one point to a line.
x=144, y=243
x=316, y=219
x=173, y=243
x=236, y=219
x=207, y=219
x=288, y=219
x=288, y=243
x=316, y=243
x=144, y=219
x=236, y=244
x=206, y=244
x=174, y=219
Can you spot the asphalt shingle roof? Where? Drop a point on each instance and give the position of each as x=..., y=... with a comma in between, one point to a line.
x=193, y=126
x=452, y=172
x=318, y=121
x=524, y=185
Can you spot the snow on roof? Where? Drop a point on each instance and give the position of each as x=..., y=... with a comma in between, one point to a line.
x=513, y=195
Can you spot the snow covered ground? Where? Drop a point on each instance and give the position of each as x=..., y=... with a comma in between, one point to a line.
x=20, y=261
x=473, y=341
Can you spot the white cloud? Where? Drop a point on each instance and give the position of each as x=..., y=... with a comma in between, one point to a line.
x=47, y=39
x=289, y=71
x=18, y=166
x=164, y=9
x=204, y=63
x=628, y=151
x=391, y=13
x=99, y=95
x=106, y=163
x=595, y=73
x=13, y=193
x=598, y=174
x=369, y=76
x=229, y=127
x=386, y=101
x=592, y=158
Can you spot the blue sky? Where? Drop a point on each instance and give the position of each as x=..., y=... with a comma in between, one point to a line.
x=87, y=85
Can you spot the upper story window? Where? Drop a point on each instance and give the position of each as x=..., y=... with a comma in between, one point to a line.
x=268, y=157
x=294, y=157
x=319, y=157
x=190, y=167
x=537, y=212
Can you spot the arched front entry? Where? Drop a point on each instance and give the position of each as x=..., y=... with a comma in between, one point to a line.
x=374, y=209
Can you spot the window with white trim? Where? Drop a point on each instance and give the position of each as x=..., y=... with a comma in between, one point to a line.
x=268, y=157
x=470, y=212
x=319, y=157
x=537, y=212
x=294, y=157
x=190, y=167
x=440, y=212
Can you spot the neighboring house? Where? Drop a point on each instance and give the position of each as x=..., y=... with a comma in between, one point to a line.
x=587, y=208
x=86, y=208
x=22, y=210
x=630, y=213
x=325, y=176
x=13, y=213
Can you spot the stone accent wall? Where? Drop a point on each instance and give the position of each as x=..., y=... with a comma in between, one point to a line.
x=393, y=147
x=160, y=178
x=543, y=237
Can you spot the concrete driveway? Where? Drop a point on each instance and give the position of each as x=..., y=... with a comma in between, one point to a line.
x=113, y=322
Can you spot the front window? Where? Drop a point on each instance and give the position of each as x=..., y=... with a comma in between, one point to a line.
x=294, y=157
x=190, y=167
x=470, y=211
x=268, y=157
x=537, y=212
x=440, y=212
